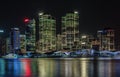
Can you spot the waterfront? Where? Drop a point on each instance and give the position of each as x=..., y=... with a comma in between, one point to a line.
x=59, y=67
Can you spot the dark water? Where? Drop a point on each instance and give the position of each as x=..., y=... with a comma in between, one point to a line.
x=68, y=67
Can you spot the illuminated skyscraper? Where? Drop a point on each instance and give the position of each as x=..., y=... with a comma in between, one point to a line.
x=47, y=32
x=15, y=39
x=30, y=35
x=70, y=30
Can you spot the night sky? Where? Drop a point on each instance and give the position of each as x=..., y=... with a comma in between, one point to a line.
x=93, y=13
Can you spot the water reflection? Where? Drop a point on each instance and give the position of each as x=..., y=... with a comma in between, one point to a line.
x=2, y=67
x=46, y=67
x=26, y=67
x=68, y=67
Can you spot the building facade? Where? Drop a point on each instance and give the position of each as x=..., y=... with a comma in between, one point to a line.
x=70, y=30
x=47, y=33
x=2, y=46
x=106, y=38
x=30, y=35
x=23, y=43
x=85, y=41
x=14, y=40
x=8, y=45
x=59, y=42
x=117, y=38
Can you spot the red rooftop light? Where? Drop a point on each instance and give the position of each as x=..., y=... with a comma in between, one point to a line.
x=26, y=20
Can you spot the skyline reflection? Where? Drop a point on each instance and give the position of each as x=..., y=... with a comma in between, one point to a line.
x=55, y=67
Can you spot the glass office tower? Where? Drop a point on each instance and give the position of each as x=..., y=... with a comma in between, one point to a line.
x=15, y=39
x=47, y=33
x=70, y=31
x=30, y=35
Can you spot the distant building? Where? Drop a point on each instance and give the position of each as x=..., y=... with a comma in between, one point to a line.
x=88, y=41
x=106, y=38
x=15, y=39
x=47, y=33
x=117, y=38
x=2, y=46
x=8, y=45
x=70, y=30
x=23, y=43
x=95, y=43
x=85, y=41
x=30, y=35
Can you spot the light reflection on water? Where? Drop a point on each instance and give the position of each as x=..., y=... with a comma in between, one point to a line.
x=55, y=67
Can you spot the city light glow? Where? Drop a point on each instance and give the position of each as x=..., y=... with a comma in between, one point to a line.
x=26, y=20
x=1, y=31
x=83, y=43
x=75, y=12
x=84, y=36
x=41, y=13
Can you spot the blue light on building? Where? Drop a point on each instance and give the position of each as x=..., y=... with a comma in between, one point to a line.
x=15, y=39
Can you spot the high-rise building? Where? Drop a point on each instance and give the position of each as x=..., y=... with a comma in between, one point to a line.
x=70, y=30
x=47, y=32
x=106, y=38
x=15, y=39
x=30, y=35
x=23, y=43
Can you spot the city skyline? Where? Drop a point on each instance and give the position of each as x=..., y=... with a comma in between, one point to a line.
x=70, y=38
x=59, y=38
x=92, y=13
